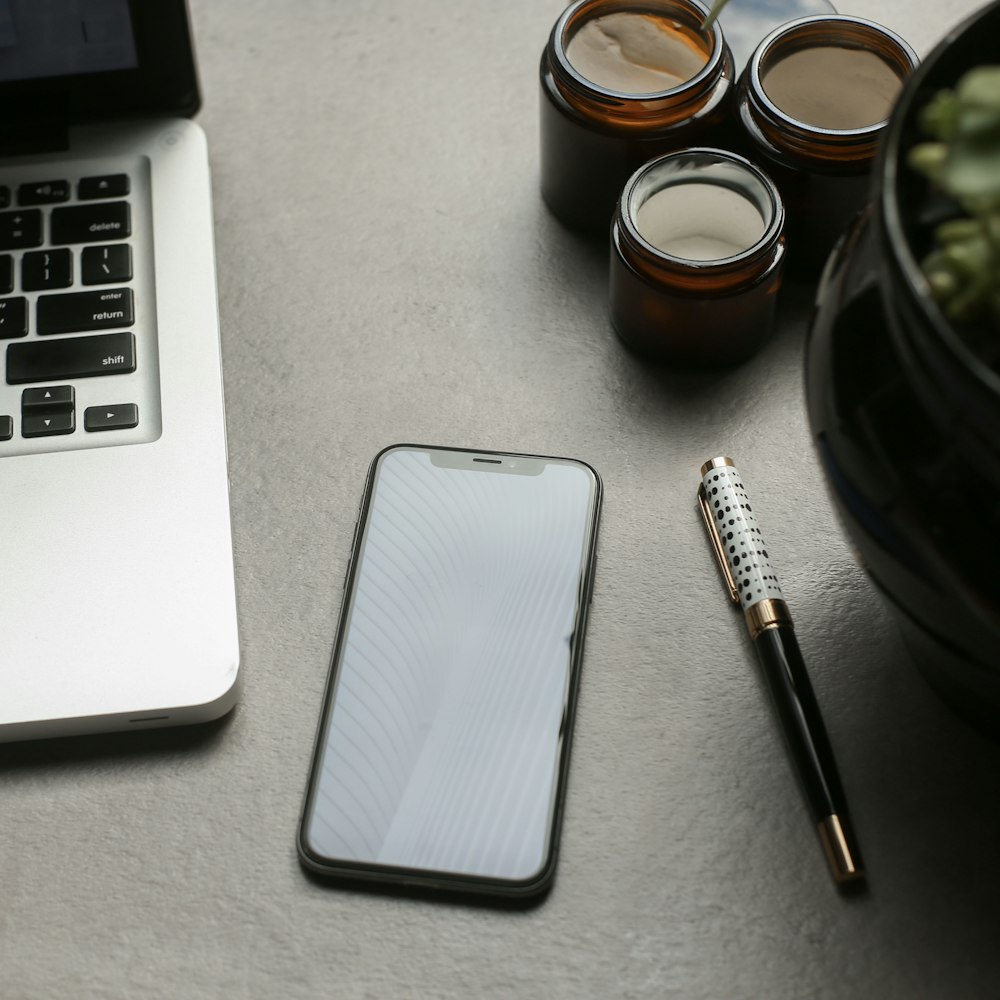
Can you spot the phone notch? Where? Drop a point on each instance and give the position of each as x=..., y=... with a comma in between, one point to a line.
x=519, y=465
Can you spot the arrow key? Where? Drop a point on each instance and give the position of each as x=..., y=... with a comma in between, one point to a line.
x=44, y=424
x=118, y=416
x=48, y=397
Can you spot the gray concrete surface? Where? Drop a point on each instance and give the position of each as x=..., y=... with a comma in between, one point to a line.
x=388, y=273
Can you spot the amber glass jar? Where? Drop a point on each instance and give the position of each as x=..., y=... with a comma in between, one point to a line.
x=593, y=137
x=704, y=311
x=821, y=164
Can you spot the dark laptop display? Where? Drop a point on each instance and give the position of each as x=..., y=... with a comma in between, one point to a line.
x=40, y=38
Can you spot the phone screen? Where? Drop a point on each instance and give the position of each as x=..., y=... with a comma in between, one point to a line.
x=444, y=741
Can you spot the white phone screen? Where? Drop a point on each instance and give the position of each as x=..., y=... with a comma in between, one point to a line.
x=443, y=748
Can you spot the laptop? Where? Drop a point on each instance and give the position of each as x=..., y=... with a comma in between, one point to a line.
x=117, y=594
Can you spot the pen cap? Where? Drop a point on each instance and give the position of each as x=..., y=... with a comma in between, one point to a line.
x=728, y=507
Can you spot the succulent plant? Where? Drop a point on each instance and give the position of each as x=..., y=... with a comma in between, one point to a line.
x=963, y=161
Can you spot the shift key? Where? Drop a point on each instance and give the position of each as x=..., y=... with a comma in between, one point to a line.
x=77, y=312
x=70, y=357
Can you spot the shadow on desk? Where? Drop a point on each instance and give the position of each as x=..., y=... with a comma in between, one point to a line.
x=167, y=741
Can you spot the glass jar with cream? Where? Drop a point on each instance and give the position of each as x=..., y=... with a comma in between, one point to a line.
x=814, y=100
x=623, y=81
x=697, y=250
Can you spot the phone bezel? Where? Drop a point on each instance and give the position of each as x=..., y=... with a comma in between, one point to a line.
x=361, y=873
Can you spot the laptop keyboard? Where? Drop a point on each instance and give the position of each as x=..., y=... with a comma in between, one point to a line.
x=77, y=329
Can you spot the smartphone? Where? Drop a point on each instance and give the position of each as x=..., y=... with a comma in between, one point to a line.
x=443, y=746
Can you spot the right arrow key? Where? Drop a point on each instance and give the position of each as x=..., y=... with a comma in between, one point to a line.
x=116, y=417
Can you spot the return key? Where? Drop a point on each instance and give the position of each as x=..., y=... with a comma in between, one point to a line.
x=80, y=311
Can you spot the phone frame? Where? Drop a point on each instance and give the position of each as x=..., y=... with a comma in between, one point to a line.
x=389, y=876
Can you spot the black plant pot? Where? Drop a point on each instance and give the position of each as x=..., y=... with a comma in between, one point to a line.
x=906, y=414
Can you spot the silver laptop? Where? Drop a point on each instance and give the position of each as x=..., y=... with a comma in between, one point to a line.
x=117, y=597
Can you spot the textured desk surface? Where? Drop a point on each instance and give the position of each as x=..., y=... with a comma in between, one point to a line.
x=387, y=272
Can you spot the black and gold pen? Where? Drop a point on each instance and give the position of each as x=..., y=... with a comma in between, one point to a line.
x=753, y=585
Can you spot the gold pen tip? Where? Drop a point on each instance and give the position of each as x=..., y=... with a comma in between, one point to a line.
x=844, y=863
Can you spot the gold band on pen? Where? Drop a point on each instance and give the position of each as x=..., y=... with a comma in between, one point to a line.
x=772, y=612
x=717, y=463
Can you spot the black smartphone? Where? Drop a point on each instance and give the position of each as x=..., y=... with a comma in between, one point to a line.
x=442, y=752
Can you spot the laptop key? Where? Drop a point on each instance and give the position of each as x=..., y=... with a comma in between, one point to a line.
x=44, y=424
x=6, y=427
x=109, y=186
x=13, y=318
x=21, y=229
x=70, y=357
x=106, y=265
x=6, y=274
x=49, y=397
x=118, y=417
x=80, y=311
x=4, y=196
x=46, y=269
x=109, y=220
x=43, y=193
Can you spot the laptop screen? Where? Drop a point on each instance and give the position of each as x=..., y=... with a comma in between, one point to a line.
x=41, y=38
x=81, y=60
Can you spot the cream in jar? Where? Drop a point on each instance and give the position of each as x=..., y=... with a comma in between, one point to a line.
x=635, y=53
x=698, y=221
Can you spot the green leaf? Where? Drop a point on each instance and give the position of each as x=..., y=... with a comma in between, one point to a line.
x=971, y=170
x=929, y=159
x=938, y=118
x=980, y=87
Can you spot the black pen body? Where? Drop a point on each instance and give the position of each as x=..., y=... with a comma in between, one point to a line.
x=801, y=722
x=808, y=744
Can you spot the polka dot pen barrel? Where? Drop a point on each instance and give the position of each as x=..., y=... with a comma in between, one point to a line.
x=753, y=584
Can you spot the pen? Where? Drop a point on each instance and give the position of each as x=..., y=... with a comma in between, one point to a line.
x=752, y=583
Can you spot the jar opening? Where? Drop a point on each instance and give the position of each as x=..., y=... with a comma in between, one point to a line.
x=703, y=207
x=637, y=48
x=634, y=52
x=831, y=76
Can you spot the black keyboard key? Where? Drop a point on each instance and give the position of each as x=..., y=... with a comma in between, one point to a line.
x=80, y=311
x=21, y=229
x=109, y=220
x=119, y=417
x=46, y=269
x=4, y=196
x=70, y=357
x=106, y=265
x=43, y=424
x=13, y=318
x=6, y=428
x=108, y=186
x=43, y=193
x=6, y=274
x=49, y=397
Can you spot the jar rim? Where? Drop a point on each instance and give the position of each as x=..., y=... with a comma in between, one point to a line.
x=785, y=35
x=705, y=157
x=695, y=7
